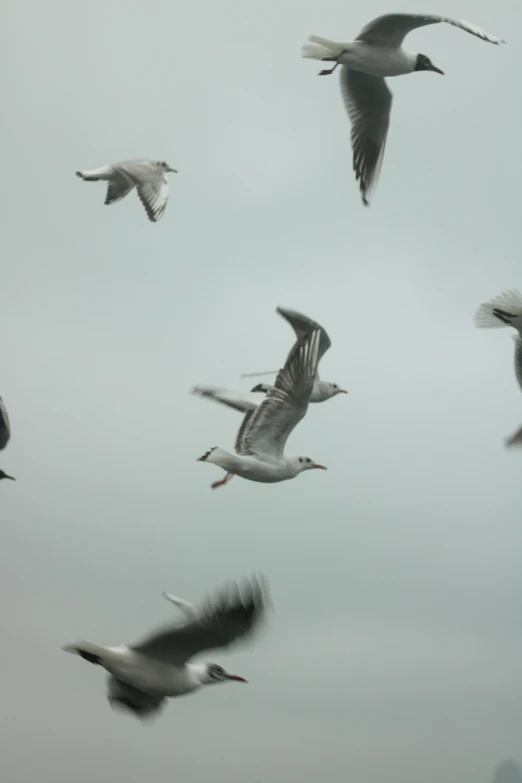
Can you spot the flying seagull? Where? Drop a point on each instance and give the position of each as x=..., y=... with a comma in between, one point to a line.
x=144, y=674
x=264, y=430
x=302, y=326
x=147, y=176
x=376, y=52
x=505, y=310
x=5, y=434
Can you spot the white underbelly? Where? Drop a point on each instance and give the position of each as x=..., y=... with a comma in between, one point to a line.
x=377, y=60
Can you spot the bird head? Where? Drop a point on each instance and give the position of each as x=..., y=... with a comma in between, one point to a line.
x=331, y=389
x=305, y=463
x=213, y=674
x=424, y=64
x=165, y=166
x=5, y=476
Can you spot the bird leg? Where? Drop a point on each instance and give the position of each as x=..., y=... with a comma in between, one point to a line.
x=222, y=482
x=328, y=71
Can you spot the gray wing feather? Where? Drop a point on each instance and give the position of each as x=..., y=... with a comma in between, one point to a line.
x=222, y=620
x=121, y=694
x=302, y=326
x=118, y=188
x=5, y=427
x=368, y=102
x=232, y=399
x=518, y=359
x=285, y=404
x=391, y=29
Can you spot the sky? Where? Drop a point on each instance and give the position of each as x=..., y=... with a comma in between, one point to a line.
x=394, y=651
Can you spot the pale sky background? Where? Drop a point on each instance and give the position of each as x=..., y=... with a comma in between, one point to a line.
x=395, y=649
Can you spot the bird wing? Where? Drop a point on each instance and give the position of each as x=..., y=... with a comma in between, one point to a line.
x=230, y=398
x=368, y=102
x=118, y=186
x=227, y=617
x=518, y=358
x=391, y=29
x=122, y=694
x=302, y=326
x=268, y=427
x=5, y=427
x=515, y=439
x=188, y=609
x=154, y=194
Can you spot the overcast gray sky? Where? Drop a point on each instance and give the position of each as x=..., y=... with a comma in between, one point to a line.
x=395, y=649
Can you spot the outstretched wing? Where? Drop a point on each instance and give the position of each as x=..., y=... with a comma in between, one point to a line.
x=230, y=398
x=267, y=429
x=226, y=618
x=303, y=326
x=391, y=29
x=121, y=694
x=5, y=427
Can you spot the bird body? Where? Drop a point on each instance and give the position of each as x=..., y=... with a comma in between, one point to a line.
x=145, y=673
x=147, y=176
x=365, y=63
x=265, y=428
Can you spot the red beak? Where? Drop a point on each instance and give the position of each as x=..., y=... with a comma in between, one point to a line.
x=321, y=467
x=437, y=70
x=342, y=391
x=236, y=677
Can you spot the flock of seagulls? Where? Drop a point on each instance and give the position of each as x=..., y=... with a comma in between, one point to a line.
x=142, y=675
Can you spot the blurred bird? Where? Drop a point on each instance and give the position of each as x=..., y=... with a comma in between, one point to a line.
x=5, y=434
x=144, y=674
x=505, y=310
x=147, y=176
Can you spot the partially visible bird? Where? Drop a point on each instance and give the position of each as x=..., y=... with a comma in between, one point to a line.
x=147, y=176
x=505, y=310
x=302, y=326
x=144, y=674
x=265, y=428
x=5, y=434
x=376, y=52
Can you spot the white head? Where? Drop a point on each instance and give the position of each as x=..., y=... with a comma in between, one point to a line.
x=324, y=390
x=212, y=674
x=305, y=463
x=164, y=166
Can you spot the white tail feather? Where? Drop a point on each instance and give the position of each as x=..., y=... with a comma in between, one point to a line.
x=319, y=48
x=503, y=310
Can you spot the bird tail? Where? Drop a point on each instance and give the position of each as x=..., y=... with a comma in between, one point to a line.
x=219, y=457
x=261, y=387
x=321, y=48
x=94, y=174
x=503, y=310
x=91, y=652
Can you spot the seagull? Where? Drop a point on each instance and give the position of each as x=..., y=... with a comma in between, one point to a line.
x=302, y=325
x=144, y=674
x=147, y=176
x=264, y=430
x=5, y=434
x=505, y=310
x=377, y=52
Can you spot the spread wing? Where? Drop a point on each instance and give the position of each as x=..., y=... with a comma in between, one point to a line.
x=302, y=326
x=285, y=404
x=118, y=187
x=121, y=694
x=518, y=358
x=230, y=398
x=368, y=102
x=391, y=29
x=5, y=427
x=225, y=619
x=154, y=195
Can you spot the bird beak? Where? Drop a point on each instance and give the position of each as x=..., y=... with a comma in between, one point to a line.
x=342, y=391
x=236, y=677
x=321, y=467
x=175, y=171
x=436, y=70
x=9, y=477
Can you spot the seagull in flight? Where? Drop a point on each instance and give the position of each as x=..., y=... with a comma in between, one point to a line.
x=505, y=310
x=376, y=53
x=5, y=434
x=147, y=176
x=302, y=326
x=264, y=430
x=144, y=674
